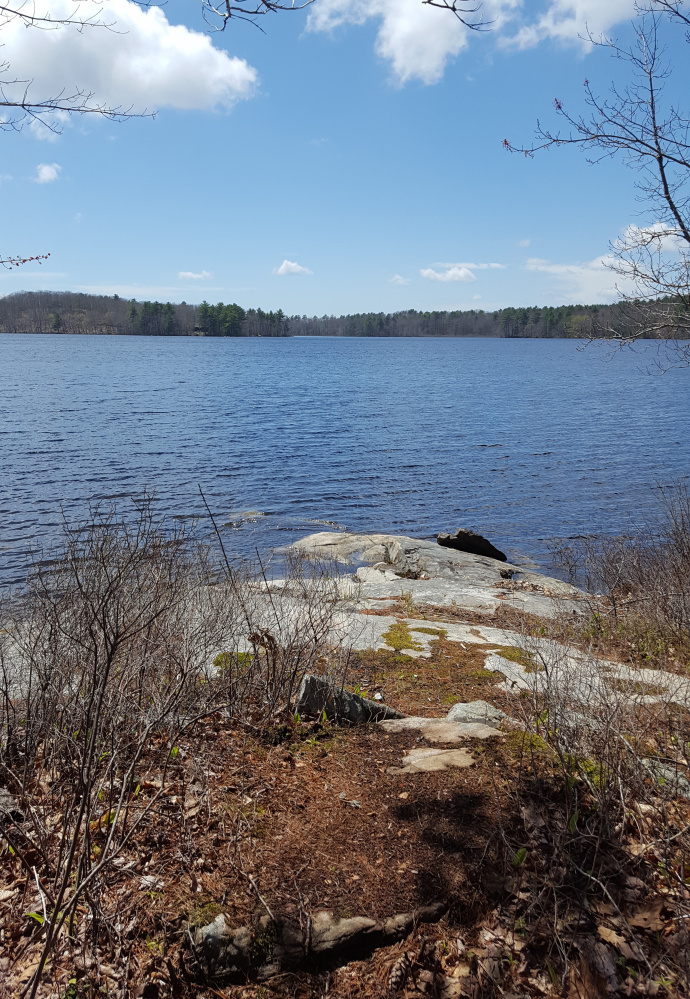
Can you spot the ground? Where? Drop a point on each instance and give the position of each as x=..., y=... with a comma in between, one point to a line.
x=302, y=816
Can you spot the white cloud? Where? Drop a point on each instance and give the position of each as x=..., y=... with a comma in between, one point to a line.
x=397, y=279
x=46, y=173
x=416, y=39
x=191, y=276
x=656, y=238
x=523, y=242
x=290, y=267
x=454, y=273
x=587, y=283
x=573, y=20
x=473, y=267
x=606, y=278
x=144, y=62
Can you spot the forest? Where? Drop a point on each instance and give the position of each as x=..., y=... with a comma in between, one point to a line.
x=73, y=312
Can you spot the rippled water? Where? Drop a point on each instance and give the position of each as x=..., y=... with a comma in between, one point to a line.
x=523, y=440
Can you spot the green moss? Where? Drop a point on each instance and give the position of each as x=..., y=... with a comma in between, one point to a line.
x=262, y=945
x=439, y=632
x=516, y=655
x=521, y=742
x=234, y=663
x=202, y=915
x=399, y=637
x=486, y=676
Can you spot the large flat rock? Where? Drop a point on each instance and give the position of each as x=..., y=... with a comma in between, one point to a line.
x=388, y=566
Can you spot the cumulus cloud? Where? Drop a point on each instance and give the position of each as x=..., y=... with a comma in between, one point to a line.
x=290, y=267
x=46, y=173
x=397, y=279
x=419, y=41
x=414, y=38
x=454, y=273
x=145, y=62
x=573, y=20
x=192, y=276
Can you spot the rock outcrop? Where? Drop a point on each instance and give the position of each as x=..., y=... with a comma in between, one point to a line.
x=468, y=541
x=429, y=573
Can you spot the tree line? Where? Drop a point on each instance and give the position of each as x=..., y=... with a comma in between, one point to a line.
x=73, y=312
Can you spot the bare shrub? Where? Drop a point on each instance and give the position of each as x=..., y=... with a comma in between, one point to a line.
x=602, y=795
x=129, y=636
x=645, y=579
x=295, y=626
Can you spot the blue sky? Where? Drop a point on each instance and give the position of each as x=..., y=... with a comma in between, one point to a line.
x=348, y=159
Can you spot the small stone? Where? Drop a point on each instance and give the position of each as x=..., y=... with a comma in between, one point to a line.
x=476, y=711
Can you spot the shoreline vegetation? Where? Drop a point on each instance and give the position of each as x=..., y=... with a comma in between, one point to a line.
x=174, y=823
x=77, y=313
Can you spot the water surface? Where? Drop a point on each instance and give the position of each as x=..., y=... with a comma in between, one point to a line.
x=523, y=440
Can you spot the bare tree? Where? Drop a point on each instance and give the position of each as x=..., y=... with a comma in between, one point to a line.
x=645, y=125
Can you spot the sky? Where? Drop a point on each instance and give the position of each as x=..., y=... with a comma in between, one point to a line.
x=346, y=158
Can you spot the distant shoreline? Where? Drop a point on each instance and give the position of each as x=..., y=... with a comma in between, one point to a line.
x=74, y=313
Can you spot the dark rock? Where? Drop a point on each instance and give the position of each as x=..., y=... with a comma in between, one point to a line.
x=316, y=695
x=273, y=946
x=468, y=541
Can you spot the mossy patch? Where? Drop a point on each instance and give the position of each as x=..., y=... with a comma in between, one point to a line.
x=233, y=663
x=514, y=654
x=438, y=632
x=399, y=637
x=522, y=742
x=486, y=676
x=204, y=913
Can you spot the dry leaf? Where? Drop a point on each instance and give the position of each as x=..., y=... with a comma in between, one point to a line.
x=629, y=952
x=648, y=918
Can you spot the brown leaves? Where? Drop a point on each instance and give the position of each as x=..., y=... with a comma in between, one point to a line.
x=649, y=917
x=630, y=951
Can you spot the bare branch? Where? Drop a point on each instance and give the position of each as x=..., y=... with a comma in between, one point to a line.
x=10, y=262
x=651, y=133
x=245, y=10
x=462, y=12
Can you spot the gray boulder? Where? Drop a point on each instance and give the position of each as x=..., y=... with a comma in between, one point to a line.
x=468, y=541
x=476, y=712
x=316, y=695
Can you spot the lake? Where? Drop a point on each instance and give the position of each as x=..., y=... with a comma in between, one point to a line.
x=522, y=440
